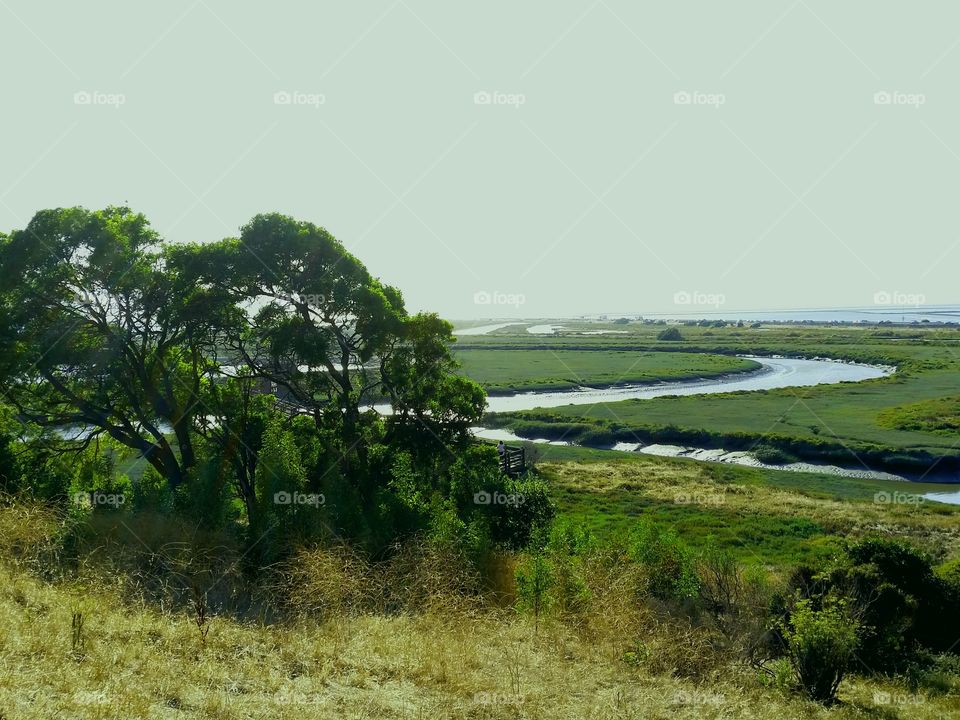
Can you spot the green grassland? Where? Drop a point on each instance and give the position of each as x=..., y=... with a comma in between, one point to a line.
x=775, y=518
x=523, y=370
x=905, y=421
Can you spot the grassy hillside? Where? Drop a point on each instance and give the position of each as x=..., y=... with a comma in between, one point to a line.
x=775, y=519
x=135, y=658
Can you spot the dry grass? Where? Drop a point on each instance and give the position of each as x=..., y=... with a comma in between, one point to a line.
x=139, y=663
x=391, y=642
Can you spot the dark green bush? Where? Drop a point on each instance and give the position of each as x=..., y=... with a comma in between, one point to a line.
x=770, y=455
x=670, y=333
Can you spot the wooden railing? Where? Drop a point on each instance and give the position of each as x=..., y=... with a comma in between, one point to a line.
x=513, y=461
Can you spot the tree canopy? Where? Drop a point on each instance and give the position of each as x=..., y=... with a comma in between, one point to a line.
x=206, y=358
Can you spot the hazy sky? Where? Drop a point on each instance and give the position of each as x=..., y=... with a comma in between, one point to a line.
x=505, y=159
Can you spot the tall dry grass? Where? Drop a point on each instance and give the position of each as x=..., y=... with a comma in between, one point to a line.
x=409, y=638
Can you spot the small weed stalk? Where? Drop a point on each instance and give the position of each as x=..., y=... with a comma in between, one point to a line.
x=201, y=615
x=76, y=632
x=514, y=667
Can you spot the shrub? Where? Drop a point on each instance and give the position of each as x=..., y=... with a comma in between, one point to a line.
x=205, y=497
x=670, y=333
x=534, y=581
x=512, y=508
x=668, y=562
x=820, y=646
x=770, y=455
x=151, y=492
x=903, y=605
x=568, y=547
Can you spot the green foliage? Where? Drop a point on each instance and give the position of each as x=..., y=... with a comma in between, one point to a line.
x=512, y=508
x=671, y=334
x=903, y=607
x=152, y=493
x=534, y=578
x=670, y=564
x=821, y=644
x=949, y=573
x=770, y=455
x=105, y=326
x=10, y=472
x=280, y=480
x=569, y=548
x=100, y=331
x=206, y=497
x=903, y=602
x=940, y=416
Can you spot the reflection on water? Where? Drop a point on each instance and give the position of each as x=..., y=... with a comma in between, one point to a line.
x=951, y=498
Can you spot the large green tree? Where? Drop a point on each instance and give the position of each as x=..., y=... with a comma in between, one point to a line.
x=188, y=353
x=335, y=340
x=99, y=332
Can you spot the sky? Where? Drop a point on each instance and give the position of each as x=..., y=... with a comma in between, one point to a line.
x=516, y=159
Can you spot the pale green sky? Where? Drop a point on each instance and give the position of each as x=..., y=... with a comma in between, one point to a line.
x=547, y=158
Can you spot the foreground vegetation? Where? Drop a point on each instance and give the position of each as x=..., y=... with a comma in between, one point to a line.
x=119, y=613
